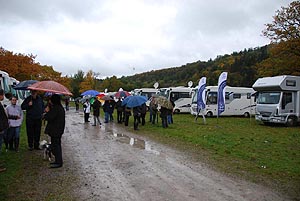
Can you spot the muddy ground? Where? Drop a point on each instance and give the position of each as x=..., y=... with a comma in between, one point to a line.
x=110, y=163
x=114, y=164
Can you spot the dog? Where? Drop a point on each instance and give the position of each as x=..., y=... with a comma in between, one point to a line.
x=44, y=145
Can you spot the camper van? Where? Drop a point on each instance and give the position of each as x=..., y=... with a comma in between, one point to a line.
x=278, y=100
x=5, y=84
x=181, y=96
x=148, y=92
x=238, y=101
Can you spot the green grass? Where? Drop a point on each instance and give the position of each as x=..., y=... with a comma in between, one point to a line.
x=28, y=177
x=237, y=146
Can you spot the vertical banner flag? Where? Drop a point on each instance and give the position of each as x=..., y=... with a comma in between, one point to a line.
x=201, y=94
x=221, y=92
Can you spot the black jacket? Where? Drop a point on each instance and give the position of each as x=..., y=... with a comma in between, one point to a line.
x=96, y=108
x=56, y=121
x=36, y=110
x=3, y=119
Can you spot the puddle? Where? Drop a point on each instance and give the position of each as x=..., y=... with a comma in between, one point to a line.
x=135, y=142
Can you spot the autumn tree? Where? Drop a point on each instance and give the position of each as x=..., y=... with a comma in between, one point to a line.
x=88, y=82
x=284, y=33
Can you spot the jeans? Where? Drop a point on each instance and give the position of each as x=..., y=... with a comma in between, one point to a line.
x=106, y=117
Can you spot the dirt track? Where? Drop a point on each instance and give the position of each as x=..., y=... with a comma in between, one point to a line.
x=114, y=164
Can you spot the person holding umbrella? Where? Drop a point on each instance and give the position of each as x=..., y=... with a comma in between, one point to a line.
x=34, y=107
x=96, y=111
x=136, y=116
x=55, y=117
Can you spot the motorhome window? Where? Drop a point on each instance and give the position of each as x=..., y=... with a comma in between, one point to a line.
x=177, y=95
x=286, y=98
x=291, y=83
x=268, y=97
x=212, y=98
x=195, y=96
x=237, y=96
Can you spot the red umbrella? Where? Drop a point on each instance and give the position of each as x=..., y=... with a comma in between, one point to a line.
x=50, y=86
x=123, y=94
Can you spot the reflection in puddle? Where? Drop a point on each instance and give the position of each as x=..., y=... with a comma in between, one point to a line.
x=135, y=142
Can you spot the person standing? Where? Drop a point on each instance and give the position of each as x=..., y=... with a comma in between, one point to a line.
x=15, y=118
x=153, y=108
x=106, y=111
x=55, y=117
x=34, y=107
x=136, y=117
x=86, y=110
x=111, y=109
x=77, y=105
x=127, y=114
x=3, y=124
x=96, y=111
x=143, y=113
x=67, y=102
x=163, y=115
x=120, y=110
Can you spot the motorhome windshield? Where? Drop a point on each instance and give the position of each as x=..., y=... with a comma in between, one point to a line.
x=268, y=98
x=164, y=92
x=195, y=96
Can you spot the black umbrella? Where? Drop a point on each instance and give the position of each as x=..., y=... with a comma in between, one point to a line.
x=24, y=84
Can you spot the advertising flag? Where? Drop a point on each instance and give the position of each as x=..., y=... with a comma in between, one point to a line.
x=201, y=94
x=221, y=92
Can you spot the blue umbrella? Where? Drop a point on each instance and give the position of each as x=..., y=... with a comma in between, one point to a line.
x=24, y=84
x=134, y=101
x=90, y=93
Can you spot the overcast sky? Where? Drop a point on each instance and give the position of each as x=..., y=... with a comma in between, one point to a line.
x=124, y=37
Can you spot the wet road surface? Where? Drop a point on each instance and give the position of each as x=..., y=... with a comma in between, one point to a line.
x=114, y=164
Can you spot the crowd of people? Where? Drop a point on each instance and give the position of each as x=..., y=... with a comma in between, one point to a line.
x=36, y=112
x=124, y=113
x=54, y=114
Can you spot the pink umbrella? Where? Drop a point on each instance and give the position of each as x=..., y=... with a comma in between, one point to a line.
x=123, y=94
x=50, y=86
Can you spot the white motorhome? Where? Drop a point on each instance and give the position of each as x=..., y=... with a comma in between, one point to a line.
x=181, y=96
x=238, y=101
x=278, y=99
x=5, y=84
x=148, y=92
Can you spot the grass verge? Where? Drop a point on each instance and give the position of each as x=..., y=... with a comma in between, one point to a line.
x=269, y=155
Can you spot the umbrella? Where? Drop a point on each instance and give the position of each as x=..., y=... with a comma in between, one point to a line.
x=24, y=84
x=163, y=102
x=123, y=94
x=90, y=93
x=82, y=100
x=107, y=97
x=50, y=86
x=134, y=101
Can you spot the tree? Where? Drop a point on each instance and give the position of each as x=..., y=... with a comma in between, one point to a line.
x=75, y=82
x=88, y=82
x=286, y=24
x=284, y=33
